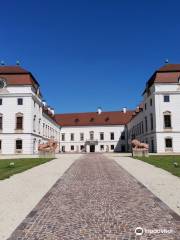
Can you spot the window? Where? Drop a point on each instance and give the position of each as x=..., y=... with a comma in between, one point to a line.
x=167, y=120
x=168, y=142
x=0, y=101
x=34, y=123
x=63, y=149
x=151, y=102
x=112, y=136
x=20, y=101
x=107, y=119
x=72, y=147
x=1, y=121
x=81, y=136
x=72, y=136
x=43, y=129
x=145, y=106
x=166, y=98
x=2, y=83
x=92, y=135
x=146, y=124
x=142, y=125
x=39, y=127
x=112, y=147
x=151, y=120
x=101, y=136
x=19, y=121
x=0, y=145
x=76, y=120
x=63, y=136
x=19, y=144
x=101, y=147
x=82, y=147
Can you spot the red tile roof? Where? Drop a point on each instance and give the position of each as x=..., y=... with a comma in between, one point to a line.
x=169, y=68
x=12, y=70
x=94, y=119
x=15, y=75
x=168, y=73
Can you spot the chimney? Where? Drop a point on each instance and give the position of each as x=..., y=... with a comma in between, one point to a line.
x=124, y=109
x=166, y=61
x=99, y=110
x=17, y=63
x=44, y=103
x=52, y=111
x=2, y=63
x=49, y=109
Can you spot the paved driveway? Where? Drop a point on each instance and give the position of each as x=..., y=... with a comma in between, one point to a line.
x=96, y=199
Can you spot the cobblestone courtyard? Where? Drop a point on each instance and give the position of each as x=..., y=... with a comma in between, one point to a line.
x=96, y=199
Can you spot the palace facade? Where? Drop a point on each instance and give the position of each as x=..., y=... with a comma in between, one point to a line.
x=94, y=131
x=26, y=120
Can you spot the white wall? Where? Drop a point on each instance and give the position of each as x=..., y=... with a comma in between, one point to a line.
x=32, y=106
x=135, y=125
x=117, y=142
x=159, y=133
x=173, y=90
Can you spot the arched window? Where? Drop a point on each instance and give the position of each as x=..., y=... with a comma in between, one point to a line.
x=19, y=121
x=167, y=119
x=1, y=121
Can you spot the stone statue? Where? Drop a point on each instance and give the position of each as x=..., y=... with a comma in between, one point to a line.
x=136, y=144
x=139, y=149
x=50, y=146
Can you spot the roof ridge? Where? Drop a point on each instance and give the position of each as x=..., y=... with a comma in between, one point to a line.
x=93, y=112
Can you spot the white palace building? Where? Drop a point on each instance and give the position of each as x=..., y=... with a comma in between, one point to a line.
x=26, y=120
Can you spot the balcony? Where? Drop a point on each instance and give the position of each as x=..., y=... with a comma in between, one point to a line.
x=91, y=142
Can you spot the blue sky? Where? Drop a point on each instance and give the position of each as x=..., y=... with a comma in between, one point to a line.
x=90, y=53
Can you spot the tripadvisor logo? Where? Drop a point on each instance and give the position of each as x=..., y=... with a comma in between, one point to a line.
x=139, y=231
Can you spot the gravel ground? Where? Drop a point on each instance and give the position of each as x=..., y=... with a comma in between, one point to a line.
x=96, y=199
x=162, y=183
x=21, y=192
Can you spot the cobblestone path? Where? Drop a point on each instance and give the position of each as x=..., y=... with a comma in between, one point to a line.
x=96, y=199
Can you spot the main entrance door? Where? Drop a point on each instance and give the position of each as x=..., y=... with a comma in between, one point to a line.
x=92, y=148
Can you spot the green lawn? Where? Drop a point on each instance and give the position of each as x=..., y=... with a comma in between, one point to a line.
x=164, y=162
x=20, y=165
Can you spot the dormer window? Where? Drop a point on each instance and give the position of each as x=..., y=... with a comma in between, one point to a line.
x=179, y=80
x=92, y=120
x=107, y=119
x=76, y=120
x=2, y=83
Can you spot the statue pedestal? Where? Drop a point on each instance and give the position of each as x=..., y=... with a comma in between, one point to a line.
x=46, y=154
x=140, y=152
